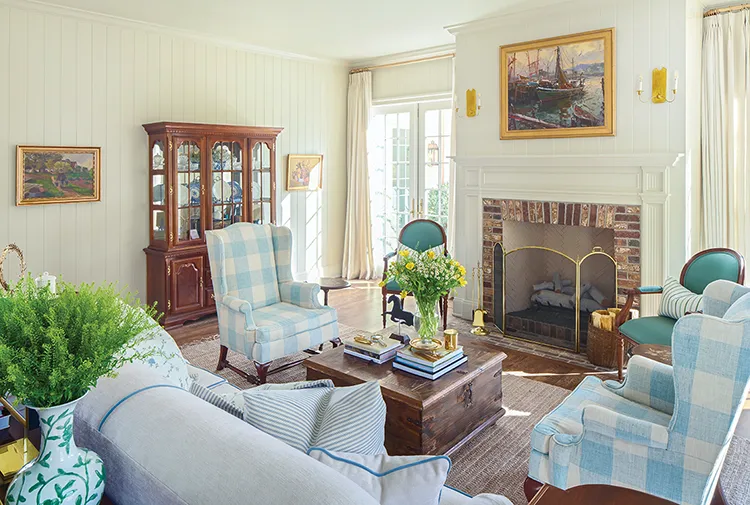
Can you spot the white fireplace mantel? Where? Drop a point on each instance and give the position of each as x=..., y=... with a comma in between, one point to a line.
x=619, y=179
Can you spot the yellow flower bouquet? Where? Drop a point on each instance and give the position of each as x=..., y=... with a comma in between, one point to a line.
x=428, y=276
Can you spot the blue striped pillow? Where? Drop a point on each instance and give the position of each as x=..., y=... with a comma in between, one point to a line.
x=677, y=300
x=348, y=419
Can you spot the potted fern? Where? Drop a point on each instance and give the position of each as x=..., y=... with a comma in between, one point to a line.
x=53, y=349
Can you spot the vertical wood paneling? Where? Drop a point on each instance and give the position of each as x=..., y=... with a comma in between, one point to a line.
x=65, y=80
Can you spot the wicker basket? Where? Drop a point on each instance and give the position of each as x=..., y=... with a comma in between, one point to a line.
x=601, y=346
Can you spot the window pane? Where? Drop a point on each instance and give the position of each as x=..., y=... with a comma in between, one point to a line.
x=432, y=123
x=157, y=156
x=158, y=189
x=446, y=116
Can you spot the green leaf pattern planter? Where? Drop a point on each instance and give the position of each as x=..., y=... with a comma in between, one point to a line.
x=62, y=474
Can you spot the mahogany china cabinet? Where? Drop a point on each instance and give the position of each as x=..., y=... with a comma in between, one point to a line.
x=201, y=177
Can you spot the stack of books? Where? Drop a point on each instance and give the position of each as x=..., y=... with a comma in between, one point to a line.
x=429, y=364
x=378, y=350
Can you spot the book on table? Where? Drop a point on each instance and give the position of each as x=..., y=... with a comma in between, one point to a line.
x=436, y=374
x=378, y=350
x=430, y=359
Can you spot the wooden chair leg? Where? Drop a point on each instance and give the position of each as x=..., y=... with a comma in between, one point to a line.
x=222, y=358
x=262, y=369
x=444, y=302
x=385, y=307
x=620, y=358
x=531, y=487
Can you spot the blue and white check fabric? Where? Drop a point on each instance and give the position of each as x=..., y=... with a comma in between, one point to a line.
x=666, y=430
x=263, y=313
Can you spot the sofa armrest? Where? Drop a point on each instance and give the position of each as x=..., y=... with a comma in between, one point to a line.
x=647, y=382
x=610, y=424
x=239, y=306
x=301, y=294
x=641, y=290
x=720, y=295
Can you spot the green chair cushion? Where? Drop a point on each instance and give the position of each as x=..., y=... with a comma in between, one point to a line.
x=649, y=330
x=393, y=286
x=422, y=235
x=711, y=267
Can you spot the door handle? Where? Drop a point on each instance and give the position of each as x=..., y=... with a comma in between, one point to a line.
x=421, y=207
x=413, y=207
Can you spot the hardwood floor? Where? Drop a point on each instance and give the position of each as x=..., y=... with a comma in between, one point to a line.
x=360, y=307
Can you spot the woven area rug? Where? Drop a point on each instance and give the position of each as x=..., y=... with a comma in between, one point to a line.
x=496, y=461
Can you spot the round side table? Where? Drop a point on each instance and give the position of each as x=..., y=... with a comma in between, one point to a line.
x=329, y=283
x=660, y=353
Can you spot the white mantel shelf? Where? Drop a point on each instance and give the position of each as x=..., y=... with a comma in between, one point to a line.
x=555, y=161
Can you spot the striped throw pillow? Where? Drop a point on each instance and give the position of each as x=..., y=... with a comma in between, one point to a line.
x=214, y=399
x=677, y=300
x=348, y=419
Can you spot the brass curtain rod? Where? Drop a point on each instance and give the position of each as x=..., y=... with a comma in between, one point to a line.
x=733, y=8
x=400, y=63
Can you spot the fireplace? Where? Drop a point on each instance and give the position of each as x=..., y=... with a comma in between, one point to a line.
x=549, y=264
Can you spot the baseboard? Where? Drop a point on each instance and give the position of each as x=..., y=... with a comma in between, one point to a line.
x=463, y=308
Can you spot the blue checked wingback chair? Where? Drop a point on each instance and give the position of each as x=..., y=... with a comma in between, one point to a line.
x=700, y=270
x=263, y=313
x=419, y=235
x=666, y=429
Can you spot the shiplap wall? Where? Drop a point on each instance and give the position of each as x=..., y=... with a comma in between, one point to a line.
x=67, y=79
x=414, y=80
x=649, y=34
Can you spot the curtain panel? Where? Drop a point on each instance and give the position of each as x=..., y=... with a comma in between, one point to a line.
x=725, y=122
x=358, y=256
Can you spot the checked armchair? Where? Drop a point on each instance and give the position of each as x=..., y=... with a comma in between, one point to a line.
x=263, y=313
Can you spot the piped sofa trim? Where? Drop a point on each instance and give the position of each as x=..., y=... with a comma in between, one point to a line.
x=373, y=472
x=126, y=398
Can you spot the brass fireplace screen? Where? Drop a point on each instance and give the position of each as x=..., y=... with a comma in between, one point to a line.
x=560, y=327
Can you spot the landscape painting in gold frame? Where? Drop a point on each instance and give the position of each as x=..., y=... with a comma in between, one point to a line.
x=57, y=174
x=304, y=172
x=558, y=87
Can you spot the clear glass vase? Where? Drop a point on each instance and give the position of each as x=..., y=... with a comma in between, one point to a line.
x=426, y=321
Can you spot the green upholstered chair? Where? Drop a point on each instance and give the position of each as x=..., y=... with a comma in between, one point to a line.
x=701, y=270
x=420, y=235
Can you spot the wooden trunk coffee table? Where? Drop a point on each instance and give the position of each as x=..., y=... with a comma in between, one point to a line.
x=424, y=416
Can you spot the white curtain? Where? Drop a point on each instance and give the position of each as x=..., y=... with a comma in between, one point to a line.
x=453, y=183
x=358, y=258
x=725, y=134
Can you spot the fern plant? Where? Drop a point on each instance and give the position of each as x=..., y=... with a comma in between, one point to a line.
x=54, y=347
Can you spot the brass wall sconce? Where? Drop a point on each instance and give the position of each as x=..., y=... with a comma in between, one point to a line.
x=473, y=103
x=658, y=86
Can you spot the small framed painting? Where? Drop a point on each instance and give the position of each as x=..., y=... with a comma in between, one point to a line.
x=558, y=87
x=304, y=172
x=57, y=175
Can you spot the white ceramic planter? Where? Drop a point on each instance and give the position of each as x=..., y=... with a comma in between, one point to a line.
x=62, y=474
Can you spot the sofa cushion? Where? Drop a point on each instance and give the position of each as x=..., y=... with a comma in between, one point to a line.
x=215, y=399
x=677, y=300
x=391, y=480
x=283, y=320
x=165, y=359
x=348, y=419
x=739, y=310
x=649, y=330
x=565, y=421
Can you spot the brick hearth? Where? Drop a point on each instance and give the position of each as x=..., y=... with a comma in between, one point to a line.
x=624, y=220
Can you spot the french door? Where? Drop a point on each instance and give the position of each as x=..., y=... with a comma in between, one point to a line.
x=409, y=168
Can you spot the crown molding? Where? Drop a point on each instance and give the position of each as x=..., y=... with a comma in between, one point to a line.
x=82, y=14
x=511, y=14
x=389, y=59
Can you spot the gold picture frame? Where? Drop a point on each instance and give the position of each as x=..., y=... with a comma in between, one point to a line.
x=58, y=174
x=304, y=172
x=546, y=93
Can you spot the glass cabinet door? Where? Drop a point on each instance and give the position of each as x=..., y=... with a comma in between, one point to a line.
x=227, y=184
x=158, y=192
x=261, y=184
x=188, y=189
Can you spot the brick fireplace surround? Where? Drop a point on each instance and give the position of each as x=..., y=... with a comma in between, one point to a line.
x=625, y=220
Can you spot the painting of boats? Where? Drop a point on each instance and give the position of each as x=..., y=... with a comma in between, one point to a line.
x=559, y=87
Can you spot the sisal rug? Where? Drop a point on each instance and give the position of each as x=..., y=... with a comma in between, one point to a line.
x=496, y=461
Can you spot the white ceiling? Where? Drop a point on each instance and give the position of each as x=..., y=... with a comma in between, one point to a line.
x=351, y=30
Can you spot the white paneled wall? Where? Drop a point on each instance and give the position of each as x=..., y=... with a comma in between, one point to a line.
x=649, y=34
x=69, y=79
